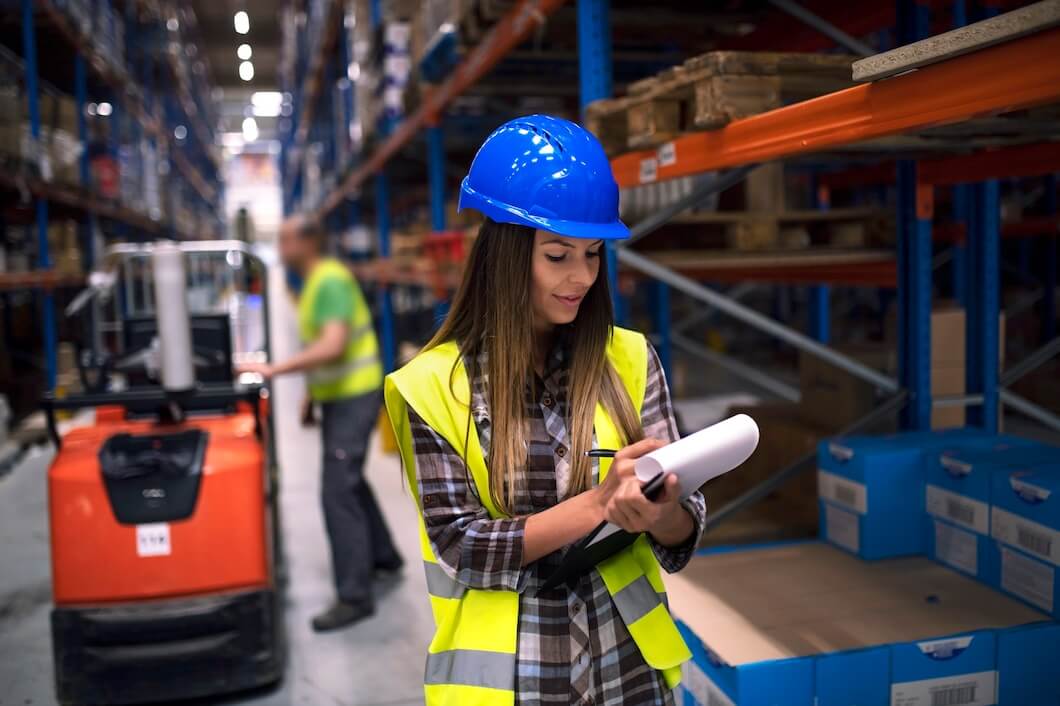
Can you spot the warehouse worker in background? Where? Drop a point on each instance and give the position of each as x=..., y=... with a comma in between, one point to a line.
x=494, y=419
x=345, y=375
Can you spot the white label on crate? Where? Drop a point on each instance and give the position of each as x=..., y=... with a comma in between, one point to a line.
x=703, y=691
x=667, y=155
x=1029, y=579
x=958, y=509
x=843, y=528
x=979, y=689
x=649, y=170
x=957, y=548
x=153, y=539
x=846, y=492
x=1031, y=537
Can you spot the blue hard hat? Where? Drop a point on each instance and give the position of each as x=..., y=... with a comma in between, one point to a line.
x=547, y=173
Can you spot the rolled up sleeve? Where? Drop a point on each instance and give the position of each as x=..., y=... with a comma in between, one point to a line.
x=657, y=418
x=472, y=548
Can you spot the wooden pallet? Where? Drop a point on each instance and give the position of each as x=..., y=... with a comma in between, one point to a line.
x=709, y=91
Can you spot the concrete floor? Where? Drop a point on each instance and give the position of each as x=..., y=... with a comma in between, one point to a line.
x=376, y=663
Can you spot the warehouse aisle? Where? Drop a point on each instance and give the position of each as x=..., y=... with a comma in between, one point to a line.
x=376, y=663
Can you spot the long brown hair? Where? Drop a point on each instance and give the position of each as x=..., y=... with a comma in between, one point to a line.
x=491, y=312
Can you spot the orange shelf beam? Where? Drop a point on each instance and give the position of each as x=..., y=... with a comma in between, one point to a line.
x=507, y=34
x=997, y=79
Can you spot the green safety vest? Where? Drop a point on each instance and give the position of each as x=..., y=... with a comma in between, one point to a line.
x=359, y=370
x=471, y=660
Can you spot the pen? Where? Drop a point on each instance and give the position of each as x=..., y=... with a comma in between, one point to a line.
x=600, y=453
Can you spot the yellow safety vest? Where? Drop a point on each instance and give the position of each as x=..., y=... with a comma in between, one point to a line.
x=471, y=660
x=359, y=370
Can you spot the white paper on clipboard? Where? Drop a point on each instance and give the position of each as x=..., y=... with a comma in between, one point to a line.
x=697, y=458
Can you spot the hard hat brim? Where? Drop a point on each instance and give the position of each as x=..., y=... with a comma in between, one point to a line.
x=506, y=213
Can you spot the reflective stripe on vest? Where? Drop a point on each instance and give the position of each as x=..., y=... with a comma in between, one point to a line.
x=491, y=670
x=477, y=627
x=441, y=584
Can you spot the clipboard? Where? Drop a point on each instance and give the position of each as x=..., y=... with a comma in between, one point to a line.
x=590, y=551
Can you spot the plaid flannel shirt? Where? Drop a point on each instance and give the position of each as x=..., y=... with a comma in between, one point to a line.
x=573, y=647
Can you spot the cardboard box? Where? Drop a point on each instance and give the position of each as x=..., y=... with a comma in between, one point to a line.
x=1024, y=679
x=1025, y=522
x=958, y=494
x=833, y=397
x=871, y=489
x=804, y=624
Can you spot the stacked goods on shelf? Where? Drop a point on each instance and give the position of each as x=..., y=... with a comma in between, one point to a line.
x=56, y=155
x=958, y=498
x=788, y=512
x=80, y=13
x=1025, y=524
x=312, y=189
x=830, y=394
x=806, y=625
x=709, y=91
x=108, y=35
x=63, y=250
x=397, y=68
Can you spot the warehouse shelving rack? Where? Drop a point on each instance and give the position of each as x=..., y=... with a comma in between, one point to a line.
x=128, y=88
x=1016, y=73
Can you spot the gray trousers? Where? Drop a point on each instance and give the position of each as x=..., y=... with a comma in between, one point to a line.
x=357, y=532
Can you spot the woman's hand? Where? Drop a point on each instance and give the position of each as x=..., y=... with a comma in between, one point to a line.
x=622, y=502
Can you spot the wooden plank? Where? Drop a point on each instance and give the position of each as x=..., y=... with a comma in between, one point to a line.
x=948, y=45
x=694, y=259
x=809, y=216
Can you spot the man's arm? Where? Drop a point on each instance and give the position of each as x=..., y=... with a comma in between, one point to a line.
x=327, y=348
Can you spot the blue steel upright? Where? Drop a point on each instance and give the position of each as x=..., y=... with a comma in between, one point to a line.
x=386, y=307
x=436, y=175
x=29, y=43
x=594, y=78
x=914, y=299
x=820, y=294
x=982, y=317
x=1049, y=281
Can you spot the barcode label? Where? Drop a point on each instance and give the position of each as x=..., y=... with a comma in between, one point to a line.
x=960, y=512
x=957, y=548
x=959, y=509
x=845, y=495
x=1034, y=542
x=1031, y=580
x=843, y=528
x=667, y=155
x=649, y=170
x=957, y=696
x=977, y=689
x=848, y=493
x=1034, y=538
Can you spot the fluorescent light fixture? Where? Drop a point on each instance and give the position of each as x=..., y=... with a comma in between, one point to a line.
x=266, y=104
x=241, y=22
x=232, y=140
x=250, y=129
x=104, y=109
x=244, y=52
x=180, y=132
x=246, y=71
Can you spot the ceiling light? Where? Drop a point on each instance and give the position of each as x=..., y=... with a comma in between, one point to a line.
x=232, y=140
x=104, y=109
x=353, y=71
x=250, y=129
x=172, y=24
x=180, y=132
x=246, y=71
x=244, y=51
x=242, y=22
x=266, y=104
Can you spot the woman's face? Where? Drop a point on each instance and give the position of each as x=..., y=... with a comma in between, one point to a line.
x=563, y=271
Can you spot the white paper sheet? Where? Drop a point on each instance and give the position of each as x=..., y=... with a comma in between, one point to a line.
x=704, y=455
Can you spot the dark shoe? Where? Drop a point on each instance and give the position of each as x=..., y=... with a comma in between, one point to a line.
x=391, y=566
x=342, y=614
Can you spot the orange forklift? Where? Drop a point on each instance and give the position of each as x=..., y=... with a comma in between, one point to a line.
x=163, y=512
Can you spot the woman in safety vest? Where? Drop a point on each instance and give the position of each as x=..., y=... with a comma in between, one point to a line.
x=494, y=419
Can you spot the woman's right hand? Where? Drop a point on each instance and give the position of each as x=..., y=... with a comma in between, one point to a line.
x=622, y=483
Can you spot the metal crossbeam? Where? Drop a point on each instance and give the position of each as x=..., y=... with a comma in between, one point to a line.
x=747, y=372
